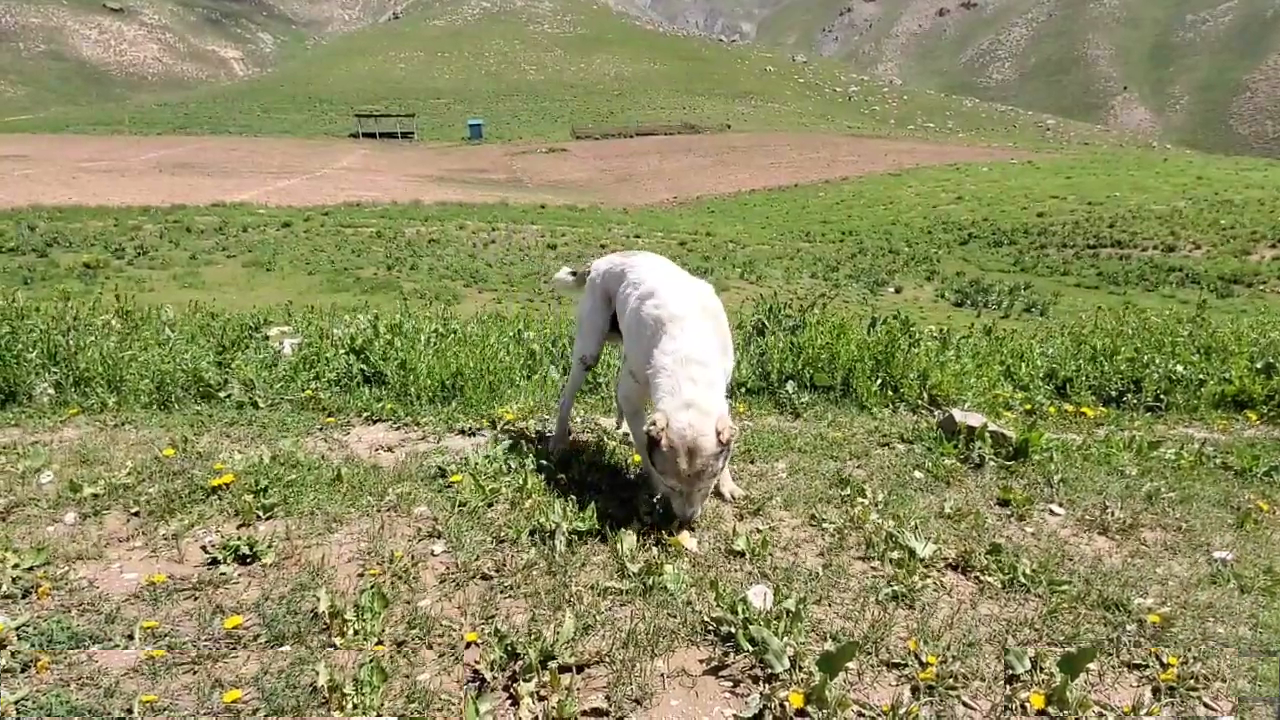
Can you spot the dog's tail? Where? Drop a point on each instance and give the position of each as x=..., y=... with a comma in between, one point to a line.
x=571, y=280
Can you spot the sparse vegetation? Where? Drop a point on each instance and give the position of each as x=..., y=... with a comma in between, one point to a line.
x=289, y=462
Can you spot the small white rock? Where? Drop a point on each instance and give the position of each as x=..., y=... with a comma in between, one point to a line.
x=760, y=596
x=917, y=474
x=288, y=345
x=1057, y=509
x=45, y=477
x=71, y=518
x=1225, y=557
x=438, y=549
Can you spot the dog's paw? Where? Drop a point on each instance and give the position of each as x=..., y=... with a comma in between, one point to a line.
x=730, y=491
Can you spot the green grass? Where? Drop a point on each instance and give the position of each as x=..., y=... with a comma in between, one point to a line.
x=870, y=528
x=1154, y=230
x=533, y=73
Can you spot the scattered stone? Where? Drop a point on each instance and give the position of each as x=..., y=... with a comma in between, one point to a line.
x=760, y=596
x=71, y=518
x=799, y=58
x=955, y=423
x=113, y=6
x=437, y=549
x=1223, y=557
x=45, y=478
x=287, y=346
x=1057, y=509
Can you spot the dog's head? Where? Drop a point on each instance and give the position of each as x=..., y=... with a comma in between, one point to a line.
x=688, y=453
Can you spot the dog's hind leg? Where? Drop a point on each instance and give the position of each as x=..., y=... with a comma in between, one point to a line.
x=593, y=325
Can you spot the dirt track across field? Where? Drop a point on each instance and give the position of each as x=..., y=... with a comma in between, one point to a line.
x=89, y=170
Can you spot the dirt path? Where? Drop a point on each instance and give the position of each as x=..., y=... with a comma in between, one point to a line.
x=88, y=170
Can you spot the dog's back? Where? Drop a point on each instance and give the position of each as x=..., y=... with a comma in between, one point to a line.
x=662, y=309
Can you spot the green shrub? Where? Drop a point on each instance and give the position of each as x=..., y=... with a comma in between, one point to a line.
x=115, y=353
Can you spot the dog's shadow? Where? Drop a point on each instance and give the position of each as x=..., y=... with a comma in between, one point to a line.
x=583, y=472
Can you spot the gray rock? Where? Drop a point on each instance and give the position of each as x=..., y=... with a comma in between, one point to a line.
x=963, y=423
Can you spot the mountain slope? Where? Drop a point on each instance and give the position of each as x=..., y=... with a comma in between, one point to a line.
x=533, y=69
x=76, y=52
x=1202, y=72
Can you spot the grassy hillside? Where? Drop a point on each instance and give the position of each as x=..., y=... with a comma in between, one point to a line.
x=533, y=70
x=81, y=53
x=1201, y=72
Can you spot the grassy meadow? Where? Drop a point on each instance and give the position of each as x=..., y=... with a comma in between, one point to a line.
x=196, y=523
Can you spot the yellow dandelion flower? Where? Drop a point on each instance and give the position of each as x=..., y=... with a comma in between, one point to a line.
x=44, y=591
x=1068, y=407
x=455, y=479
x=886, y=708
x=1154, y=619
x=149, y=624
x=1263, y=505
x=913, y=645
x=929, y=674
x=1168, y=675
x=232, y=696
x=43, y=666
x=1028, y=407
x=931, y=659
x=330, y=420
x=1037, y=700
x=471, y=637
x=219, y=467
x=308, y=392
x=1252, y=417
x=233, y=622
x=397, y=555
x=373, y=572
x=157, y=579
x=1088, y=412
x=795, y=699
x=636, y=459
x=148, y=699
x=1, y=627
x=73, y=411
x=1126, y=709
x=1053, y=410
x=379, y=648
x=168, y=452
x=507, y=415
x=222, y=480
x=1172, y=661
x=156, y=653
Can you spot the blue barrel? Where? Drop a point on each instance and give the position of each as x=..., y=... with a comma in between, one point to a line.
x=475, y=129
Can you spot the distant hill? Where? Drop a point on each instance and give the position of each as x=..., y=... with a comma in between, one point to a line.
x=1205, y=73
x=531, y=68
x=73, y=52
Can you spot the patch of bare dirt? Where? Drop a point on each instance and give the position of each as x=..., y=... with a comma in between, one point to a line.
x=66, y=434
x=386, y=445
x=122, y=573
x=691, y=688
x=79, y=170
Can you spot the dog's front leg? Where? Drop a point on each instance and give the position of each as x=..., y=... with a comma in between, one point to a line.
x=593, y=325
x=632, y=397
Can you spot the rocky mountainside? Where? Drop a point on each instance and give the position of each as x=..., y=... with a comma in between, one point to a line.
x=70, y=51
x=1201, y=72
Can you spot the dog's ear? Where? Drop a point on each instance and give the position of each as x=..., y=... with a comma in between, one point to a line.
x=726, y=431
x=656, y=429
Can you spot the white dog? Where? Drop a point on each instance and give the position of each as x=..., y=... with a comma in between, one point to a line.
x=677, y=350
